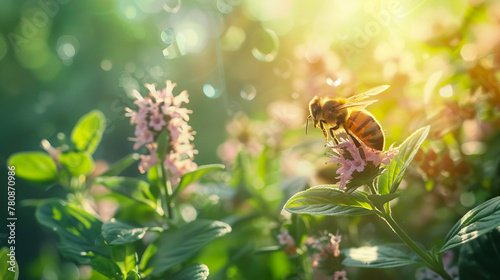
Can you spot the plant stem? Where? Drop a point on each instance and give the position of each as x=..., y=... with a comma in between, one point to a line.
x=167, y=185
x=427, y=258
x=372, y=188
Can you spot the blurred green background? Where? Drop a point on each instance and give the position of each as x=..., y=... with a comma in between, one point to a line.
x=61, y=59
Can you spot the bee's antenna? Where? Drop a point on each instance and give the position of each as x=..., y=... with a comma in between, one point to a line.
x=307, y=122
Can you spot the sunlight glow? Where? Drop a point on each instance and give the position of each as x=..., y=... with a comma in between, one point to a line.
x=365, y=254
x=446, y=91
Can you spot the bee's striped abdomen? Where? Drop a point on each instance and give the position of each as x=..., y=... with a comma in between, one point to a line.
x=366, y=128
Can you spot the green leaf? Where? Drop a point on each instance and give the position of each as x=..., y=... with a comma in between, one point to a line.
x=9, y=270
x=125, y=257
x=389, y=181
x=195, y=175
x=117, y=233
x=106, y=267
x=383, y=256
x=380, y=199
x=77, y=163
x=176, y=246
x=478, y=221
x=117, y=167
x=479, y=258
x=87, y=132
x=77, y=230
x=130, y=187
x=132, y=275
x=326, y=200
x=269, y=249
x=36, y=167
x=192, y=272
x=148, y=254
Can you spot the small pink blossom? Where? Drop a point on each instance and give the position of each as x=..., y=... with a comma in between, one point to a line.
x=157, y=122
x=348, y=164
x=333, y=246
x=285, y=239
x=144, y=138
x=183, y=97
x=131, y=114
x=447, y=257
x=148, y=161
x=340, y=275
x=378, y=157
x=140, y=128
x=178, y=166
x=353, y=162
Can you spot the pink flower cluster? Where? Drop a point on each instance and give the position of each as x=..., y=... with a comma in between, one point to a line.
x=161, y=110
x=349, y=156
x=331, y=248
x=285, y=239
x=328, y=254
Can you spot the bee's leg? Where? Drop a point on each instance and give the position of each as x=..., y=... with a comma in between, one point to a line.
x=332, y=133
x=324, y=131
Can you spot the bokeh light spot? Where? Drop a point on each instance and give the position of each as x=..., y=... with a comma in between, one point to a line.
x=248, y=92
x=473, y=148
x=446, y=91
x=333, y=83
x=469, y=52
x=224, y=7
x=467, y=199
x=106, y=65
x=67, y=47
x=233, y=39
x=266, y=46
x=130, y=12
x=209, y=91
x=168, y=35
x=172, y=6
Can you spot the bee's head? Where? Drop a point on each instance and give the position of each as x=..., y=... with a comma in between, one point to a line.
x=314, y=112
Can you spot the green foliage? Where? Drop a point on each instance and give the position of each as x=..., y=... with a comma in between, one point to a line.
x=381, y=256
x=36, y=167
x=117, y=167
x=327, y=200
x=389, y=181
x=380, y=199
x=118, y=233
x=176, y=246
x=106, y=267
x=125, y=256
x=193, y=176
x=7, y=271
x=88, y=131
x=478, y=221
x=192, y=272
x=77, y=229
x=135, y=189
x=480, y=257
x=77, y=163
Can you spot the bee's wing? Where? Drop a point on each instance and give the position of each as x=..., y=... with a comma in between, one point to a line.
x=371, y=92
x=361, y=105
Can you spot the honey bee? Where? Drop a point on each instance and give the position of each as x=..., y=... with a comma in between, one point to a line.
x=350, y=114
